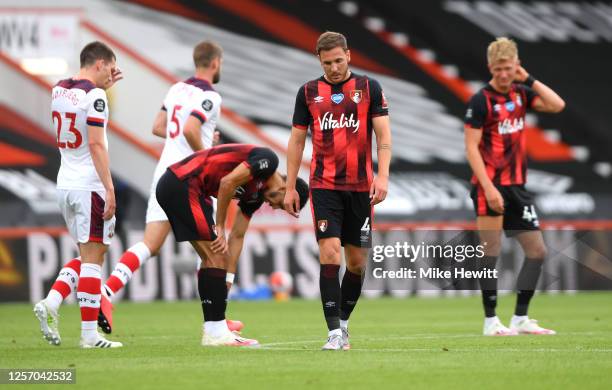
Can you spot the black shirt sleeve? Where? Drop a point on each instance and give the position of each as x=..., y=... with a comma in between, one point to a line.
x=262, y=162
x=301, y=114
x=249, y=208
x=476, y=111
x=378, y=101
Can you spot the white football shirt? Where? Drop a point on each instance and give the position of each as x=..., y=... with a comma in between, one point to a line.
x=75, y=105
x=192, y=97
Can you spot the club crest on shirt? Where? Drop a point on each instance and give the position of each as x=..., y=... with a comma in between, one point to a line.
x=356, y=95
x=322, y=224
x=337, y=98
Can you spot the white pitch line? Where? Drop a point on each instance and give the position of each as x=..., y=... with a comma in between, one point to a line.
x=405, y=350
x=426, y=336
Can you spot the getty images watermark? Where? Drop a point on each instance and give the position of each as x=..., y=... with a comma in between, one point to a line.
x=430, y=261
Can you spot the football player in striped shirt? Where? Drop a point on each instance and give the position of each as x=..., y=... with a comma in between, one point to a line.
x=495, y=141
x=342, y=109
x=185, y=191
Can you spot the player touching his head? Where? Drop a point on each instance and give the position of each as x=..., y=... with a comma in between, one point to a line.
x=495, y=142
x=341, y=109
x=86, y=196
x=243, y=172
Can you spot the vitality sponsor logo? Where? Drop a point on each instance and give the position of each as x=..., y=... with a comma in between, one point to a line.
x=328, y=122
x=511, y=126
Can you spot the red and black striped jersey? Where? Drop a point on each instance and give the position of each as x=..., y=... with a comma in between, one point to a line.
x=501, y=116
x=203, y=170
x=340, y=120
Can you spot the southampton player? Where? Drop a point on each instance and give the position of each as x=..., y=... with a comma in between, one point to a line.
x=495, y=143
x=341, y=108
x=185, y=191
x=86, y=197
x=187, y=120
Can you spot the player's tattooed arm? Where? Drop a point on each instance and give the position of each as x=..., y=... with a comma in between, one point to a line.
x=159, y=125
x=382, y=129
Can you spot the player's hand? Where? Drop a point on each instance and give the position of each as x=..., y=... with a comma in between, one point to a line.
x=378, y=189
x=116, y=75
x=494, y=200
x=109, y=205
x=292, y=203
x=521, y=74
x=220, y=244
x=216, y=138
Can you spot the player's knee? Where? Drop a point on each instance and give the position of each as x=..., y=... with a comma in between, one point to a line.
x=356, y=260
x=537, y=252
x=153, y=246
x=492, y=248
x=330, y=253
x=216, y=261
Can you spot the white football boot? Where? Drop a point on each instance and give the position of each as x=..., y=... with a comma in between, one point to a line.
x=346, y=344
x=530, y=326
x=334, y=343
x=496, y=328
x=227, y=339
x=99, y=342
x=49, y=323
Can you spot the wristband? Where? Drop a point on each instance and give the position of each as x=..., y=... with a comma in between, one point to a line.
x=229, y=278
x=529, y=81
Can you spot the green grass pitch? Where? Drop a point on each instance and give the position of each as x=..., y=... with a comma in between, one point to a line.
x=397, y=343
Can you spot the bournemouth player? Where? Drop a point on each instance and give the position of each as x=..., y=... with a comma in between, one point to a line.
x=495, y=145
x=86, y=196
x=341, y=109
x=187, y=121
x=185, y=191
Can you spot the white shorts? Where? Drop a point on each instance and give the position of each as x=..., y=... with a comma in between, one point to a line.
x=82, y=211
x=154, y=211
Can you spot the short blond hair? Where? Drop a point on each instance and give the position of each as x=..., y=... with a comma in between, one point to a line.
x=502, y=49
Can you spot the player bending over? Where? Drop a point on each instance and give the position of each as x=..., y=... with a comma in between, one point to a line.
x=185, y=191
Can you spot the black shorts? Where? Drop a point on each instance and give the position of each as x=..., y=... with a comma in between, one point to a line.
x=519, y=208
x=190, y=213
x=343, y=214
